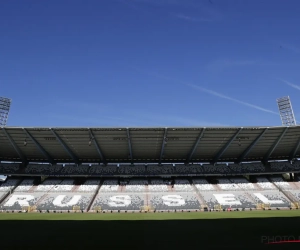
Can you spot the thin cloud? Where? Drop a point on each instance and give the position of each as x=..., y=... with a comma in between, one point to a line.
x=208, y=91
x=291, y=48
x=202, y=12
x=191, y=3
x=225, y=64
x=190, y=18
x=231, y=99
x=239, y=63
x=291, y=84
x=220, y=65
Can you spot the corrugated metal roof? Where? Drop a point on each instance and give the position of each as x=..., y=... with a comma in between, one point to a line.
x=148, y=144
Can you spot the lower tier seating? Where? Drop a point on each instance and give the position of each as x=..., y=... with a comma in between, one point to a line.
x=57, y=194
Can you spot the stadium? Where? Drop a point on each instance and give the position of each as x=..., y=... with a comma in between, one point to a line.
x=149, y=169
x=149, y=124
x=152, y=174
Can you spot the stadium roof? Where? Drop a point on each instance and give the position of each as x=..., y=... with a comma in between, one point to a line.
x=146, y=145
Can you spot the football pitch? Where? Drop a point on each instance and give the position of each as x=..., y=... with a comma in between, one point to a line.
x=150, y=216
x=198, y=230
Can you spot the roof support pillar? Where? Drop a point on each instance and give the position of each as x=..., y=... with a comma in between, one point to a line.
x=164, y=141
x=15, y=146
x=66, y=148
x=295, y=150
x=222, y=151
x=92, y=137
x=195, y=146
x=40, y=148
x=247, y=151
x=271, y=150
x=129, y=145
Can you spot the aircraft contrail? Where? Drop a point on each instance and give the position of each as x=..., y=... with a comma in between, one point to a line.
x=231, y=99
x=291, y=84
x=208, y=91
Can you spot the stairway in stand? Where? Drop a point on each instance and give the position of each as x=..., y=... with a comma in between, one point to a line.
x=40, y=199
x=33, y=188
x=94, y=196
x=146, y=199
x=201, y=199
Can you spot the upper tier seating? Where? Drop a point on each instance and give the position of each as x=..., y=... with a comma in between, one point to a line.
x=43, y=169
x=282, y=166
x=103, y=170
x=132, y=170
x=192, y=169
x=247, y=168
x=152, y=169
x=71, y=169
x=9, y=168
x=155, y=169
x=219, y=168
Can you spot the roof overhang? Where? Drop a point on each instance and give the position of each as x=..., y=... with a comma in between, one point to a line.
x=144, y=144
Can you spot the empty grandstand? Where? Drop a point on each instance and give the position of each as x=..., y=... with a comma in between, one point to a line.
x=153, y=169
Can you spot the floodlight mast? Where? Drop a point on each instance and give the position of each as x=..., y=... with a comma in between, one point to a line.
x=4, y=110
x=286, y=111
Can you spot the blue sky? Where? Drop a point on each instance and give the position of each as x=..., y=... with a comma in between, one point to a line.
x=149, y=62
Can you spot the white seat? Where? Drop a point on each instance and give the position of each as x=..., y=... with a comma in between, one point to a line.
x=25, y=185
x=89, y=186
x=264, y=183
x=158, y=186
x=109, y=186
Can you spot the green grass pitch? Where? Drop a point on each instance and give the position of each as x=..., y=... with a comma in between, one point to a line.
x=150, y=216
x=195, y=230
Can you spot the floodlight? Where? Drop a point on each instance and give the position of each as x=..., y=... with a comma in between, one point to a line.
x=4, y=110
x=286, y=111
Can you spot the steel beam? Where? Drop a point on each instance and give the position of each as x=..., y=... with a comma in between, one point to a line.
x=295, y=150
x=247, y=151
x=40, y=148
x=129, y=145
x=190, y=156
x=66, y=148
x=164, y=141
x=222, y=151
x=15, y=146
x=97, y=146
x=271, y=150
